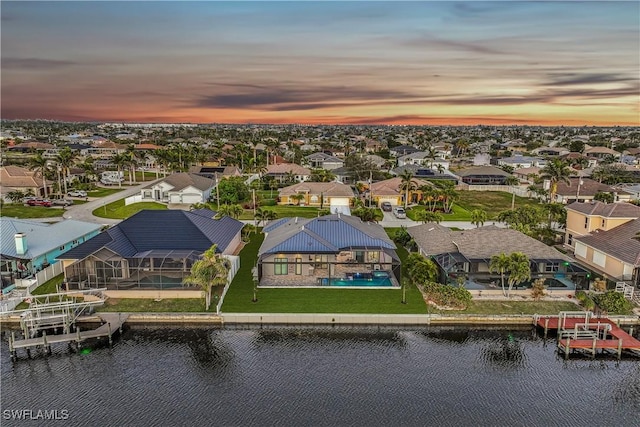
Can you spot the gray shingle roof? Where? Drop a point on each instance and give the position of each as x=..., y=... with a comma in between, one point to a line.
x=329, y=233
x=183, y=180
x=482, y=170
x=606, y=210
x=480, y=243
x=150, y=230
x=619, y=242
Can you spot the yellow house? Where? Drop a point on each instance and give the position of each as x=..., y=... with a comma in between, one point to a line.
x=585, y=218
x=319, y=194
x=389, y=191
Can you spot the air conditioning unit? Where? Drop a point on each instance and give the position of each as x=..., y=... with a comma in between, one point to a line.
x=376, y=266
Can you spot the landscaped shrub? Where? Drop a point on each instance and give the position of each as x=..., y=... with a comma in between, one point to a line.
x=613, y=303
x=402, y=237
x=599, y=285
x=537, y=289
x=446, y=295
x=585, y=300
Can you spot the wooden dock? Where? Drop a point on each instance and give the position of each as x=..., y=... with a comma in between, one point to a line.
x=112, y=322
x=580, y=332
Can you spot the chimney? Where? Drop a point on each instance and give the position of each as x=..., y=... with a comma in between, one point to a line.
x=21, y=243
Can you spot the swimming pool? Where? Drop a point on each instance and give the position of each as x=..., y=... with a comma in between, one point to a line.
x=361, y=282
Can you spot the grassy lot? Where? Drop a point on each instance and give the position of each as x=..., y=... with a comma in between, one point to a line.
x=102, y=192
x=493, y=202
x=514, y=307
x=321, y=300
x=284, y=211
x=16, y=210
x=118, y=210
x=48, y=287
x=458, y=213
x=147, y=305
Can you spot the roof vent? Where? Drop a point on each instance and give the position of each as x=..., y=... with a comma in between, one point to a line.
x=302, y=228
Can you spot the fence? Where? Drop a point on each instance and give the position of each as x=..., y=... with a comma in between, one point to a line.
x=519, y=191
x=235, y=266
x=47, y=274
x=133, y=199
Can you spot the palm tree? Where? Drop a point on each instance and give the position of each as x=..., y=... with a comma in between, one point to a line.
x=40, y=165
x=132, y=161
x=512, y=181
x=519, y=269
x=449, y=195
x=119, y=160
x=407, y=184
x=15, y=196
x=478, y=217
x=500, y=264
x=234, y=211
x=64, y=159
x=265, y=215
x=297, y=197
x=210, y=271
x=428, y=216
x=555, y=171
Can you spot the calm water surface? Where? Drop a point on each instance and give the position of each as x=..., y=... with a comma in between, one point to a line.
x=318, y=377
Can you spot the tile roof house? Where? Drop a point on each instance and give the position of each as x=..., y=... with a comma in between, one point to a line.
x=181, y=188
x=16, y=178
x=284, y=172
x=468, y=253
x=334, y=250
x=614, y=252
x=29, y=246
x=151, y=249
x=388, y=190
x=584, y=189
x=333, y=195
x=323, y=161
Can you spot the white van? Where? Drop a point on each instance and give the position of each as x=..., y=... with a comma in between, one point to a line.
x=399, y=212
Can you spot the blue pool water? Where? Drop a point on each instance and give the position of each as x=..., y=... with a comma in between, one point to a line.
x=361, y=282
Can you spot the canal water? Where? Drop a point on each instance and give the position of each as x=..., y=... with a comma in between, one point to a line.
x=321, y=377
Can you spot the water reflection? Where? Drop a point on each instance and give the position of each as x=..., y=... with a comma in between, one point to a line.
x=322, y=336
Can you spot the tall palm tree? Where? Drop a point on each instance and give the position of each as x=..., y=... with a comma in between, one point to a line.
x=40, y=165
x=265, y=215
x=500, y=264
x=208, y=272
x=478, y=217
x=512, y=181
x=120, y=161
x=519, y=269
x=407, y=184
x=428, y=216
x=132, y=162
x=65, y=159
x=234, y=211
x=556, y=170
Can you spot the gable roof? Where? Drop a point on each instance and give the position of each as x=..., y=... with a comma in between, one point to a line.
x=588, y=187
x=166, y=230
x=182, y=180
x=620, y=242
x=391, y=186
x=284, y=168
x=606, y=210
x=480, y=243
x=41, y=237
x=328, y=189
x=324, y=157
x=329, y=234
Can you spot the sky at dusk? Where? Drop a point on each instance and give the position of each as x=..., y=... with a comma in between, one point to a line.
x=571, y=63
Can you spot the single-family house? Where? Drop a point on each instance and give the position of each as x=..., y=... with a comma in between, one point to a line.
x=389, y=190
x=331, y=250
x=322, y=160
x=614, y=252
x=30, y=246
x=150, y=250
x=287, y=172
x=335, y=196
x=182, y=188
x=585, y=218
x=584, y=189
x=600, y=152
x=16, y=178
x=402, y=150
x=467, y=254
x=519, y=161
x=483, y=175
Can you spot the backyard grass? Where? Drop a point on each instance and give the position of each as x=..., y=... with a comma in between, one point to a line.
x=321, y=300
x=284, y=211
x=48, y=287
x=16, y=210
x=147, y=305
x=493, y=202
x=102, y=192
x=514, y=307
x=118, y=210
x=458, y=213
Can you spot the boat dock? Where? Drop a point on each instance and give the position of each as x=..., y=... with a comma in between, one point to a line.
x=581, y=332
x=112, y=323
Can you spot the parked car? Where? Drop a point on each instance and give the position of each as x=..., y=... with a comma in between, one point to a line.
x=26, y=199
x=399, y=213
x=386, y=206
x=77, y=193
x=62, y=202
x=40, y=202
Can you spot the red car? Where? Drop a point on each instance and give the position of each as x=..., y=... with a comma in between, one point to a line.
x=39, y=202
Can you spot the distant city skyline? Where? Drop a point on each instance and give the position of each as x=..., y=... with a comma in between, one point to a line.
x=458, y=63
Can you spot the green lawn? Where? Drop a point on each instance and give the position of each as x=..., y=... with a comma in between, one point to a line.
x=514, y=307
x=284, y=211
x=48, y=287
x=148, y=305
x=321, y=300
x=458, y=213
x=102, y=192
x=118, y=210
x=16, y=210
x=493, y=202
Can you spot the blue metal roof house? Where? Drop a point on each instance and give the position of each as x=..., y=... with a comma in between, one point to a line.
x=29, y=246
x=331, y=250
x=150, y=250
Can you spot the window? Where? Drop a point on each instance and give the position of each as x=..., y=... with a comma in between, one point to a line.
x=281, y=267
x=599, y=258
x=586, y=222
x=602, y=222
x=570, y=239
x=373, y=256
x=322, y=261
x=551, y=266
x=359, y=256
x=298, y=266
